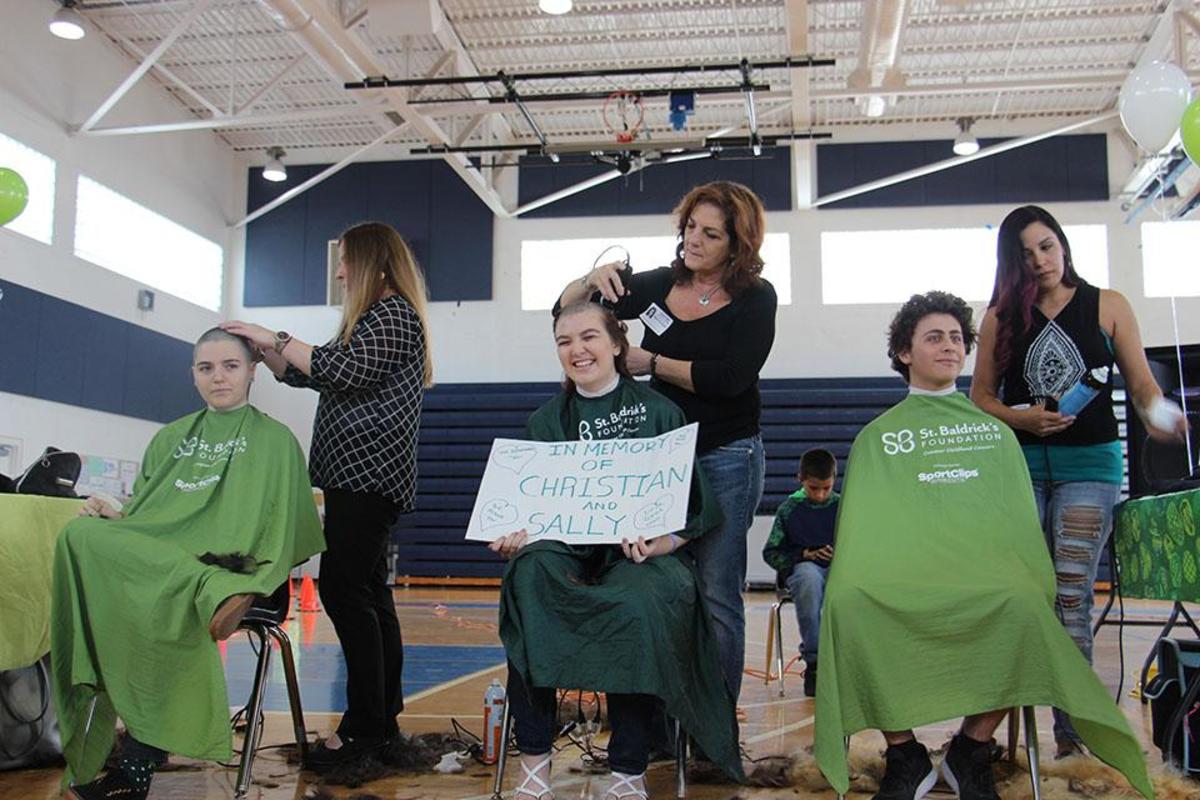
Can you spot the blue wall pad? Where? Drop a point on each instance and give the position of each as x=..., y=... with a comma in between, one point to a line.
x=655, y=189
x=1059, y=169
x=321, y=671
x=60, y=351
x=446, y=225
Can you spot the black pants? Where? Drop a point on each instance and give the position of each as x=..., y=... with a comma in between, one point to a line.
x=356, y=594
x=534, y=709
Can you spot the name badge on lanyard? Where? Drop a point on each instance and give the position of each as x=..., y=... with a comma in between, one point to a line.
x=656, y=319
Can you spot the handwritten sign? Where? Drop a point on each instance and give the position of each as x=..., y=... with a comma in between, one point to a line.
x=596, y=491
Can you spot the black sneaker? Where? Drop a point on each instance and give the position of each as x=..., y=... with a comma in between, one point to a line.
x=909, y=774
x=322, y=759
x=810, y=679
x=115, y=785
x=968, y=769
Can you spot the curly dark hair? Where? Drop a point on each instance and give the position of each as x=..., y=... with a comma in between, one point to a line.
x=919, y=306
x=745, y=223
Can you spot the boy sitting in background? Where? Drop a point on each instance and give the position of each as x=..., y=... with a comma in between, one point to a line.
x=800, y=548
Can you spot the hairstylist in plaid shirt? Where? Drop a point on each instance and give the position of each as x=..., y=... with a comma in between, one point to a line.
x=370, y=378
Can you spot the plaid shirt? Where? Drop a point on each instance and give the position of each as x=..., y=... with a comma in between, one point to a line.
x=365, y=431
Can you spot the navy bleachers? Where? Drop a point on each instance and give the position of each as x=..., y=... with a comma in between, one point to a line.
x=459, y=422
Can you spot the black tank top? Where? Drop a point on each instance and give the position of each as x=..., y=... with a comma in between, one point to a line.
x=1051, y=356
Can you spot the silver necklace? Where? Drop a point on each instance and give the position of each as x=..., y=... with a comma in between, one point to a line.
x=707, y=296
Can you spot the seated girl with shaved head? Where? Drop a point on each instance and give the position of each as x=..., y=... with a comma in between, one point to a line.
x=221, y=511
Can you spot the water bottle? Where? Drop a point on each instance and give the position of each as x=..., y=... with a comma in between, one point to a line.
x=1085, y=390
x=493, y=722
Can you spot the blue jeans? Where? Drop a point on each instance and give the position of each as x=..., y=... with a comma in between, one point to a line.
x=735, y=472
x=1077, y=520
x=807, y=585
x=535, y=710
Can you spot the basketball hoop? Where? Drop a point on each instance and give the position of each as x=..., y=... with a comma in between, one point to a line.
x=624, y=115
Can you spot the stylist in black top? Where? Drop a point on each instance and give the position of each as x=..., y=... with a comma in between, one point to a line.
x=370, y=378
x=710, y=324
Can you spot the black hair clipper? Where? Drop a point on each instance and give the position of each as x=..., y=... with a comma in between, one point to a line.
x=626, y=272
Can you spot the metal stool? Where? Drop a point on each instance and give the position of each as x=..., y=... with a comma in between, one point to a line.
x=775, y=632
x=263, y=621
x=502, y=760
x=1031, y=746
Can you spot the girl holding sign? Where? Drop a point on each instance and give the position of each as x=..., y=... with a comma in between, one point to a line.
x=709, y=325
x=628, y=621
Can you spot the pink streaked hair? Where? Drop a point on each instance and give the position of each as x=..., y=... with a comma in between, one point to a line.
x=1016, y=288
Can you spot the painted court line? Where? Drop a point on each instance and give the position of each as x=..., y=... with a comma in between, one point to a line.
x=421, y=695
x=795, y=726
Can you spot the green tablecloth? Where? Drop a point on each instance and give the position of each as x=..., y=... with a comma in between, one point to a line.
x=29, y=527
x=1158, y=547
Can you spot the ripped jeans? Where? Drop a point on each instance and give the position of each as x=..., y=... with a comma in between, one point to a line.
x=1077, y=520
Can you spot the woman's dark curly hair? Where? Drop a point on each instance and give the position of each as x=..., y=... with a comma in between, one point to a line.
x=919, y=306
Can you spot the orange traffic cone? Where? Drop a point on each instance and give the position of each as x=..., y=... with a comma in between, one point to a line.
x=308, y=595
x=291, y=608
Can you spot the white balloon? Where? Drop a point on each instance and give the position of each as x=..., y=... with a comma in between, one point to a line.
x=1151, y=103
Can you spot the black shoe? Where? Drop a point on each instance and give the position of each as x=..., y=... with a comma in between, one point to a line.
x=115, y=785
x=968, y=769
x=810, y=679
x=321, y=758
x=909, y=774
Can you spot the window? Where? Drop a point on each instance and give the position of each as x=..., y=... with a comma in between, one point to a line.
x=37, y=220
x=116, y=233
x=891, y=266
x=548, y=265
x=1169, y=259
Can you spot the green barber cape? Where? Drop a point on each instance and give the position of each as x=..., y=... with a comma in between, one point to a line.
x=584, y=616
x=940, y=602
x=132, y=602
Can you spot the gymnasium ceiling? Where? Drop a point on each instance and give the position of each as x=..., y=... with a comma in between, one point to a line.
x=272, y=73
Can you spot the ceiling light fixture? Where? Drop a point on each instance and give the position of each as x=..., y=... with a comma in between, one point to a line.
x=965, y=144
x=555, y=6
x=67, y=23
x=275, y=171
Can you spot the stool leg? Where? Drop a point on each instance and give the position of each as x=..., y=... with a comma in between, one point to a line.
x=254, y=713
x=779, y=644
x=680, y=761
x=1014, y=733
x=502, y=756
x=772, y=618
x=1031, y=748
x=846, y=745
x=293, y=688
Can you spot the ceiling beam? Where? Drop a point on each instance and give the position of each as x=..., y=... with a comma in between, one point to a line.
x=347, y=56
x=231, y=121
x=193, y=13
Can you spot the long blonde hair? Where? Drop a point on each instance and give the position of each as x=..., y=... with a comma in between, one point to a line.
x=377, y=260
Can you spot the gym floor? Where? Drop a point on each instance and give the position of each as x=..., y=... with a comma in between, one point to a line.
x=452, y=653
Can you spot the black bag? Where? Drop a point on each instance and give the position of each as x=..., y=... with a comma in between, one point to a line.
x=29, y=735
x=1174, y=695
x=54, y=474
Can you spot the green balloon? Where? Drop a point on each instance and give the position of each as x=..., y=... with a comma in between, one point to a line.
x=1189, y=131
x=14, y=194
